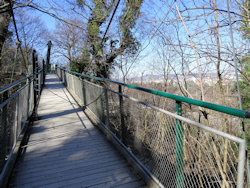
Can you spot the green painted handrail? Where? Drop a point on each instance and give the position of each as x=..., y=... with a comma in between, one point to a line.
x=5, y=88
x=216, y=107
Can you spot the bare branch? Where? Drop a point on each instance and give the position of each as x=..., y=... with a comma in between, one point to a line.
x=49, y=13
x=242, y=6
x=194, y=49
x=215, y=9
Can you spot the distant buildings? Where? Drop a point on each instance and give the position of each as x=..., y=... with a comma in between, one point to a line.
x=208, y=79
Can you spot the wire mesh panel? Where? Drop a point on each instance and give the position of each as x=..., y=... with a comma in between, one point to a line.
x=180, y=153
x=70, y=85
x=58, y=72
x=63, y=78
x=75, y=86
x=13, y=115
x=16, y=107
x=8, y=120
x=94, y=95
x=78, y=88
x=23, y=108
x=31, y=97
x=208, y=159
x=86, y=93
x=114, y=113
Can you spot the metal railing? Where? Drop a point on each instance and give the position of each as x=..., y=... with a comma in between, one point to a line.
x=176, y=150
x=18, y=102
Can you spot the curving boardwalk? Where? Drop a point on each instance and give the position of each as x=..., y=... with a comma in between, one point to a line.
x=66, y=150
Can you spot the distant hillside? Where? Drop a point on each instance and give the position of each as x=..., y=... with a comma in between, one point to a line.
x=209, y=77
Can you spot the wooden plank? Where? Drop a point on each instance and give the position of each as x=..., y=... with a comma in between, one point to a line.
x=111, y=179
x=135, y=183
x=80, y=164
x=56, y=145
x=60, y=174
x=59, y=152
x=126, y=183
x=87, y=177
x=59, y=164
x=53, y=160
x=116, y=174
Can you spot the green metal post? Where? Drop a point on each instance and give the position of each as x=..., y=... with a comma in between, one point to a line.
x=84, y=97
x=44, y=73
x=179, y=149
x=123, y=128
x=107, y=107
x=101, y=101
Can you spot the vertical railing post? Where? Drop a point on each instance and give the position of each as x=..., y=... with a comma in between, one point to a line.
x=34, y=76
x=64, y=78
x=28, y=99
x=66, y=82
x=84, y=94
x=48, y=57
x=40, y=83
x=56, y=70
x=179, y=148
x=241, y=164
x=44, y=73
x=61, y=74
x=123, y=128
x=107, y=108
x=37, y=78
x=35, y=81
x=101, y=101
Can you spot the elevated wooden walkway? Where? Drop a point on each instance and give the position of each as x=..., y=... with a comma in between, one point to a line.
x=66, y=150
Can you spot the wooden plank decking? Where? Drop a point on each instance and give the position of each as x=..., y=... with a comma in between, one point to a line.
x=66, y=150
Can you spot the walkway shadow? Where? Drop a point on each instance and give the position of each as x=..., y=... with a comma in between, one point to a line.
x=50, y=79
x=54, y=86
x=62, y=113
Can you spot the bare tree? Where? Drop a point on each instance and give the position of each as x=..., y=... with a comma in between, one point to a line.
x=32, y=33
x=69, y=40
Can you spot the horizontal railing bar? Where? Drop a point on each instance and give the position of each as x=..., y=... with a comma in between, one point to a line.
x=13, y=84
x=3, y=89
x=216, y=107
x=12, y=96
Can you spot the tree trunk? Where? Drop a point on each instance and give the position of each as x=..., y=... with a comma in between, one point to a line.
x=5, y=15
